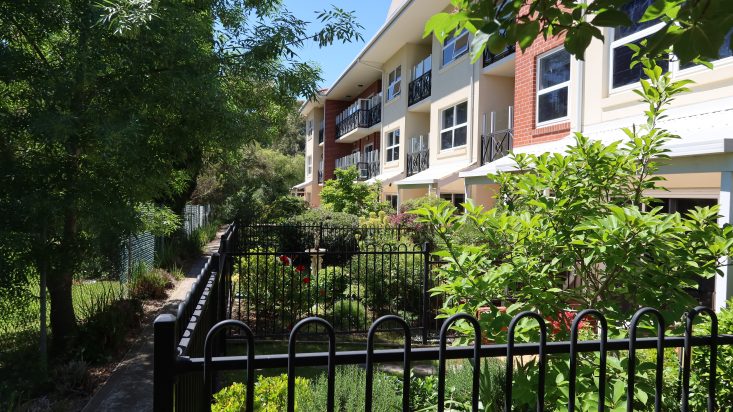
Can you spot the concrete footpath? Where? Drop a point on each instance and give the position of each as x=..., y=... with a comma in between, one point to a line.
x=130, y=387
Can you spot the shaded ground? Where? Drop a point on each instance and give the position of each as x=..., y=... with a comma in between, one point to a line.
x=130, y=387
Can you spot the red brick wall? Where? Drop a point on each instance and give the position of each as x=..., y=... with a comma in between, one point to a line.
x=525, y=86
x=331, y=149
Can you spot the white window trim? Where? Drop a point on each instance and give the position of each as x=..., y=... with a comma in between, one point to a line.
x=453, y=128
x=387, y=147
x=391, y=85
x=558, y=86
x=451, y=43
x=622, y=42
x=309, y=165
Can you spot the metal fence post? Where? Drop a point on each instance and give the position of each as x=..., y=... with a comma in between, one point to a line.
x=425, y=293
x=164, y=358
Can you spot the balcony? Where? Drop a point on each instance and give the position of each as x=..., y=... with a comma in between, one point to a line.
x=353, y=124
x=496, y=145
x=417, y=161
x=420, y=88
x=490, y=58
x=367, y=163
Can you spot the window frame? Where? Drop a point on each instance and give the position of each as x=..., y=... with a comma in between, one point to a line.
x=391, y=95
x=390, y=146
x=538, y=92
x=622, y=42
x=451, y=43
x=309, y=127
x=453, y=128
x=393, y=200
x=427, y=62
x=309, y=165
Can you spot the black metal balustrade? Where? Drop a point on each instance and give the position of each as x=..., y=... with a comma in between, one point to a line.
x=420, y=88
x=360, y=118
x=492, y=58
x=418, y=161
x=496, y=145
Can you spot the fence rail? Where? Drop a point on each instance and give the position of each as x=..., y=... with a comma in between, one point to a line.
x=204, y=367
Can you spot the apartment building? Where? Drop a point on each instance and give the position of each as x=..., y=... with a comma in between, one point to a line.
x=446, y=123
x=409, y=112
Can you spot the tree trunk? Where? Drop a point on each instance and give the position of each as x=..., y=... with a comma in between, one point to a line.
x=63, y=318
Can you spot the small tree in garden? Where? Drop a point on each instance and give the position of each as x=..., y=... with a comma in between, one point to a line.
x=345, y=194
x=576, y=230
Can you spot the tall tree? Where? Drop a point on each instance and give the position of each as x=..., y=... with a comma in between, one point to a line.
x=105, y=105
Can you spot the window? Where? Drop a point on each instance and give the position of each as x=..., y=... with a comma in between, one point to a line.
x=423, y=67
x=455, y=47
x=454, y=126
x=309, y=127
x=622, y=73
x=553, y=81
x=456, y=199
x=393, y=146
x=723, y=52
x=308, y=165
x=394, y=78
x=392, y=200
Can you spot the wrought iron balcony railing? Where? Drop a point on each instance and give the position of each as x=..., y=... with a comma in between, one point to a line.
x=496, y=145
x=420, y=88
x=418, y=161
x=491, y=57
x=348, y=161
x=359, y=118
x=367, y=163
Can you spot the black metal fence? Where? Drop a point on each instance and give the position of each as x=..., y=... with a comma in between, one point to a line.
x=171, y=367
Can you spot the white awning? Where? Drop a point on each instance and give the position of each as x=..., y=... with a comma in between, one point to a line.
x=704, y=129
x=302, y=185
x=434, y=174
x=388, y=176
x=507, y=163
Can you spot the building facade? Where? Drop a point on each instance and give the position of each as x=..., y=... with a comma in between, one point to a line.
x=419, y=117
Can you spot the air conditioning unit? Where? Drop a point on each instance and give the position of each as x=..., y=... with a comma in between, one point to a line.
x=363, y=170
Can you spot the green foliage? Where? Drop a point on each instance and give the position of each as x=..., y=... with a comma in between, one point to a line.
x=344, y=194
x=102, y=335
x=348, y=314
x=701, y=363
x=349, y=391
x=284, y=208
x=158, y=220
x=695, y=29
x=579, y=217
x=150, y=283
x=112, y=104
x=271, y=395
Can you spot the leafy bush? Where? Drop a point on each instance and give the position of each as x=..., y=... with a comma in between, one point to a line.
x=271, y=395
x=283, y=208
x=304, y=232
x=701, y=363
x=391, y=282
x=104, y=333
x=349, y=314
x=150, y=284
x=344, y=194
x=349, y=392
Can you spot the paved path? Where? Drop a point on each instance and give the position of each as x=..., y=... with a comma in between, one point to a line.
x=130, y=387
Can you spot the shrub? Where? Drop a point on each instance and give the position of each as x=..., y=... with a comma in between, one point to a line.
x=304, y=232
x=701, y=363
x=347, y=313
x=349, y=392
x=271, y=394
x=391, y=282
x=283, y=208
x=103, y=333
x=150, y=284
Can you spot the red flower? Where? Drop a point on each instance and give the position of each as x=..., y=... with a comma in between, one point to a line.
x=284, y=260
x=306, y=280
x=300, y=268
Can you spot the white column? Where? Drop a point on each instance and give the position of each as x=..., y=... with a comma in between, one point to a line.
x=724, y=284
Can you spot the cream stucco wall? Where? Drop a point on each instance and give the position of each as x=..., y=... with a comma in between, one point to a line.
x=483, y=194
x=602, y=104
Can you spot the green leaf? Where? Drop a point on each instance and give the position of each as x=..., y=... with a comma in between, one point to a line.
x=611, y=18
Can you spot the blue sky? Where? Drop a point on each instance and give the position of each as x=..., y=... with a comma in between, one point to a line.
x=334, y=59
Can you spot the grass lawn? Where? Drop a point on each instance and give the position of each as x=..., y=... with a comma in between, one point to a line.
x=24, y=319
